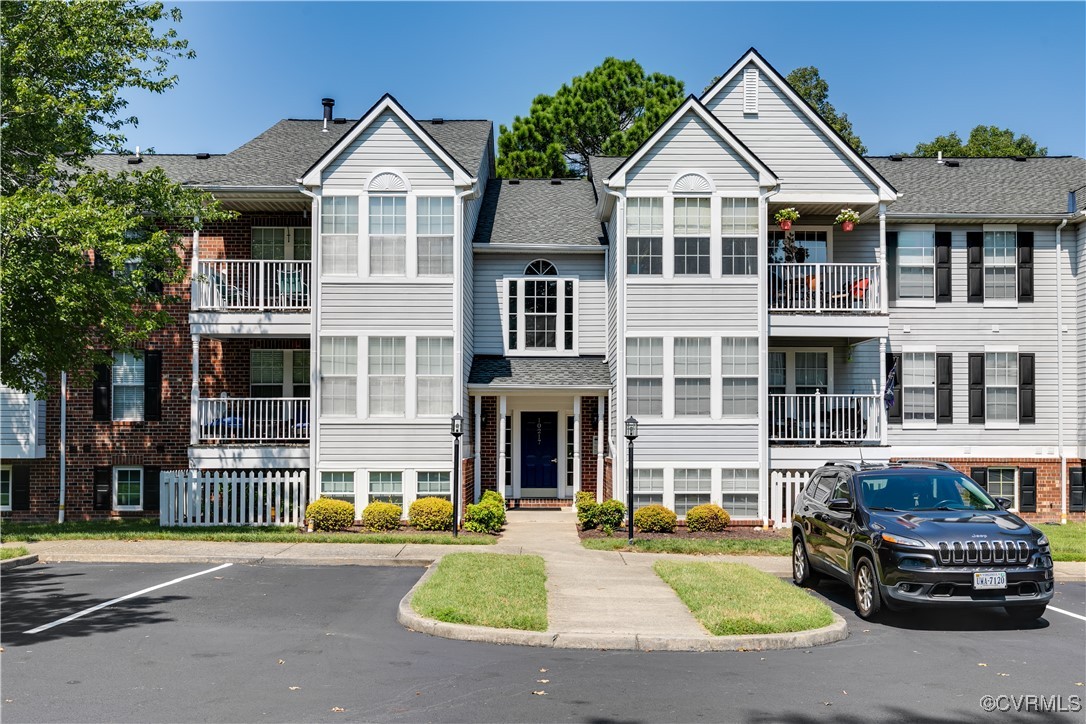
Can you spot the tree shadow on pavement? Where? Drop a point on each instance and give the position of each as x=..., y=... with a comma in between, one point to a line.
x=889, y=714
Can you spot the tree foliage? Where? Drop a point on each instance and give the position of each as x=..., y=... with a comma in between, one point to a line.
x=610, y=111
x=82, y=254
x=984, y=142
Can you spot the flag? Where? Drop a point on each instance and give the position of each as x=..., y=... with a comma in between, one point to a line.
x=888, y=391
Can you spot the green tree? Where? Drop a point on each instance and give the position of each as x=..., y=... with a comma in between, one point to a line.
x=984, y=142
x=610, y=111
x=83, y=254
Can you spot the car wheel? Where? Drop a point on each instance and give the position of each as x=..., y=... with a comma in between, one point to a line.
x=866, y=584
x=802, y=574
x=1026, y=614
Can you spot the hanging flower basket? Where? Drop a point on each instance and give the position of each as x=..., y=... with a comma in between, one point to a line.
x=847, y=219
x=785, y=217
x=785, y=224
x=848, y=225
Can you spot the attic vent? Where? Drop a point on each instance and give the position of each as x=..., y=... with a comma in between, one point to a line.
x=437, y=121
x=339, y=121
x=750, y=90
x=556, y=182
x=896, y=157
x=388, y=181
x=951, y=164
x=514, y=182
x=134, y=159
x=203, y=156
x=692, y=183
x=1020, y=158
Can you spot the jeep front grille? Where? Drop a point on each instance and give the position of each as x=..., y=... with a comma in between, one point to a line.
x=971, y=553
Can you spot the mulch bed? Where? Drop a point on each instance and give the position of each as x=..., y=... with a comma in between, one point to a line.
x=730, y=533
x=358, y=528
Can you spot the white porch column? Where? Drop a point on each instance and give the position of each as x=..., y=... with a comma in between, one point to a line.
x=883, y=419
x=884, y=286
x=194, y=393
x=502, y=462
x=576, y=444
x=475, y=448
x=600, y=446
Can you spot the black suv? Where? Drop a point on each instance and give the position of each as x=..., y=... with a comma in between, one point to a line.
x=918, y=533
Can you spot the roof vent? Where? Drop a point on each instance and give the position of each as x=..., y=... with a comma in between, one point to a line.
x=137, y=158
x=1072, y=204
x=339, y=121
x=328, y=104
x=202, y=156
x=556, y=182
x=896, y=157
x=514, y=181
x=437, y=121
x=951, y=164
x=1021, y=158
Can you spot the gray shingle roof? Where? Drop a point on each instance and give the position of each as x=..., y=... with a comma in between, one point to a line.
x=540, y=372
x=983, y=185
x=537, y=211
x=182, y=168
x=599, y=168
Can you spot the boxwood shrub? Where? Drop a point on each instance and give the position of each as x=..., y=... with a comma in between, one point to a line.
x=587, y=508
x=330, y=514
x=708, y=517
x=655, y=519
x=431, y=514
x=486, y=516
x=380, y=515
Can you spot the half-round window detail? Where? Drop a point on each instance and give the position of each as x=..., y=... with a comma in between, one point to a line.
x=388, y=181
x=541, y=268
x=692, y=183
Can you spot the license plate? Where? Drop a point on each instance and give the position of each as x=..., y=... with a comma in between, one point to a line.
x=990, y=580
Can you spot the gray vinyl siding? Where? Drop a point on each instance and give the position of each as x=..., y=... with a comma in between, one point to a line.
x=490, y=292
x=471, y=218
x=691, y=145
x=387, y=143
x=858, y=374
x=859, y=246
x=614, y=255
x=385, y=446
x=708, y=443
x=1078, y=238
x=787, y=141
x=19, y=437
x=387, y=306
x=722, y=307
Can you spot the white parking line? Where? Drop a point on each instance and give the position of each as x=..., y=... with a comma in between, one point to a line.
x=1066, y=613
x=100, y=606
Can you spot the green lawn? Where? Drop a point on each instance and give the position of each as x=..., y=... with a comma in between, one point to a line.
x=6, y=553
x=733, y=598
x=147, y=529
x=501, y=591
x=1068, y=541
x=736, y=546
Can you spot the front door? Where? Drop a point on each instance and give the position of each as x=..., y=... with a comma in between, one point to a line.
x=539, y=454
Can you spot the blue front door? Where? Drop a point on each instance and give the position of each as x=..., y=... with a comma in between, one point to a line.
x=539, y=454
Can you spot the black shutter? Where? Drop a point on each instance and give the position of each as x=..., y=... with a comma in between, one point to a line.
x=1025, y=266
x=103, y=488
x=981, y=476
x=103, y=395
x=20, y=487
x=944, y=388
x=152, y=385
x=976, y=388
x=891, y=263
x=1027, y=490
x=974, y=261
x=942, y=266
x=1027, y=388
x=151, y=487
x=1077, y=490
x=894, y=413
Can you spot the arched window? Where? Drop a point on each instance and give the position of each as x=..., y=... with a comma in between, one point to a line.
x=540, y=310
x=541, y=268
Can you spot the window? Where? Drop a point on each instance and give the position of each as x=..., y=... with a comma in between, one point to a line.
x=388, y=235
x=339, y=376
x=918, y=387
x=387, y=487
x=692, y=236
x=338, y=485
x=692, y=376
x=692, y=487
x=508, y=472
x=648, y=487
x=5, y=487
x=812, y=373
x=1003, y=483
x=778, y=373
x=128, y=395
x=645, y=236
x=541, y=310
x=807, y=247
x=128, y=488
x=739, y=370
x=339, y=235
x=645, y=376
x=434, y=369
x=540, y=314
x=269, y=243
x=266, y=373
x=386, y=376
x=739, y=492
x=916, y=265
x=299, y=373
x=435, y=485
x=1000, y=265
x=739, y=232
x=1001, y=386
x=570, y=434
x=435, y=236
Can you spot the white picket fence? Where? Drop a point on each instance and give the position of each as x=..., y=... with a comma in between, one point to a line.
x=199, y=498
x=783, y=489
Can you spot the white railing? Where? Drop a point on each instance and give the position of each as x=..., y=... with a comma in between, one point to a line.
x=820, y=419
x=254, y=419
x=783, y=489
x=252, y=284
x=197, y=498
x=825, y=288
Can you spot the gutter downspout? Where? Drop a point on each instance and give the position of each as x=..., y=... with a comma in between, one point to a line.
x=458, y=332
x=63, y=443
x=763, y=352
x=314, y=342
x=1059, y=371
x=618, y=461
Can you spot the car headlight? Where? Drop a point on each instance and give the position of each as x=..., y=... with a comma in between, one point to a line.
x=1043, y=540
x=900, y=540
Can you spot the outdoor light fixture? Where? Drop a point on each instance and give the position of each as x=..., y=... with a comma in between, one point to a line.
x=457, y=426
x=631, y=435
x=631, y=428
x=456, y=429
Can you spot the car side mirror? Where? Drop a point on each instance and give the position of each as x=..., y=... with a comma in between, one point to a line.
x=841, y=505
x=1004, y=503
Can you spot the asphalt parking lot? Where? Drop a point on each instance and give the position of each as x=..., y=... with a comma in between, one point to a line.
x=300, y=643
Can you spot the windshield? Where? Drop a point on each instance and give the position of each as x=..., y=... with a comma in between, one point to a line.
x=922, y=490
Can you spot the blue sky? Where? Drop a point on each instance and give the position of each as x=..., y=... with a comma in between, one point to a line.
x=903, y=72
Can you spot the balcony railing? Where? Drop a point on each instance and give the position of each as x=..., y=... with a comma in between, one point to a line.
x=254, y=419
x=252, y=284
x=825, y=288
x=820, y=419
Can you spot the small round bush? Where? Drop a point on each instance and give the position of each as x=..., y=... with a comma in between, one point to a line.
x=379, y=515
x=587, y=510
x=486, y=516
x=492, y=496
x=330, y=514
x=708, y=517
x=431, y=514
x=655, y=519
x=610, y=513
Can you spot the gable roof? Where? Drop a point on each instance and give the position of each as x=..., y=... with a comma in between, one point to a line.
x=599, y=168
x=531, y=212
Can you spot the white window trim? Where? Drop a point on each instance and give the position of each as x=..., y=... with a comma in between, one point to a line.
x=141, y=360
x=1011, y=303
x=716, y=472
x=288, y=241
x=896, y=271
x=409, y=408
x=806, y=227
x=521, y=350
x=113, y=489
x=11, y=485
x=919, y=424
x=1015, y=497
x=714, y=345
x=451, y=377
x=354, y=484
x=361, y=260
x=1002, y=424
x=287, y=360
x=361, y=373
x=790, y=366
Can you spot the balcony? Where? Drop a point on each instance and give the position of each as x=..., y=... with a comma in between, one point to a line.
x=251, y=296
x=825, y=299
x=825, y=419
x=253, y=420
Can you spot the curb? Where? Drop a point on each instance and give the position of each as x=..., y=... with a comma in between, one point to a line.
x=17, y=562
x=241, y=560
x=413, y=621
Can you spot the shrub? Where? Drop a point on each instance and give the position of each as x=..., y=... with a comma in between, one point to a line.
x=654, y=519
x=609, y=515
x=587, y=510
x=708, y=517
x=492, y=496
x=379, y=515
x=431, y=514
x=486, y=516
x=330, y=514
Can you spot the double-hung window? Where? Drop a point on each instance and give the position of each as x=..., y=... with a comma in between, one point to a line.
x=435, y=236
x=916, y=265
x=338, y=485
x=739, y=492
x=128, y=488
x=692, y=230
x=279, y=373
x=339, y=376
x=1001, y=386
x=128, y=380
x=812, y=373
x=645, y=376
x=645, y=237
x=387, y=487
x=918, y=387
x=739, y=237
x=739, y=372
x=434, y=485
x=387, y=371
x=648, y=487
x=5, y=487
x=693, y=376
x=540, y=310
x=339, y=235
x=388, y=235
x=1000, y=265
x=434, y=370
x=693, y=487
x=1003, y=483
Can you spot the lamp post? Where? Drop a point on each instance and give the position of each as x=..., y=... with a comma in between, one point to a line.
x=456, y=429
x=631, y=435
